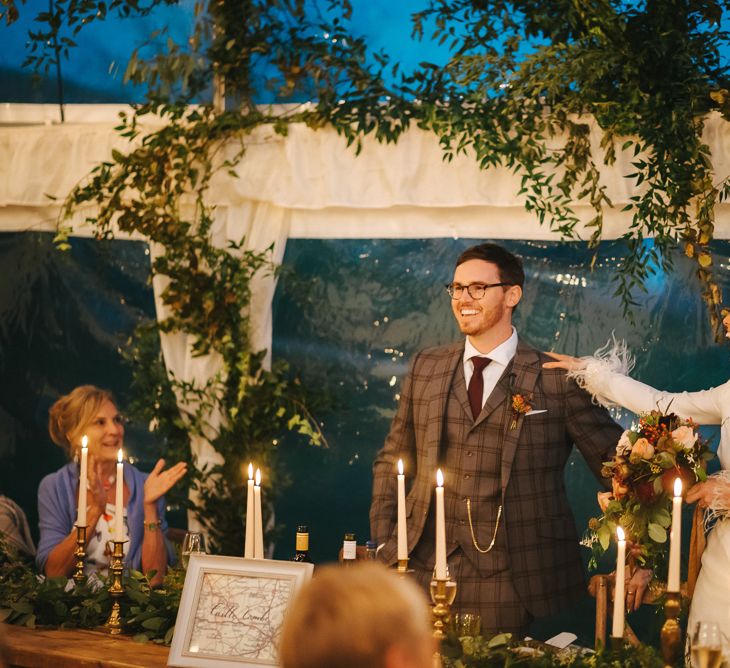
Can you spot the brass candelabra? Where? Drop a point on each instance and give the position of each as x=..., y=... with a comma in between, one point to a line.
x=443, y=593
x=402, y=567
x=116, y=589
x=671, y=635
x=79, y=554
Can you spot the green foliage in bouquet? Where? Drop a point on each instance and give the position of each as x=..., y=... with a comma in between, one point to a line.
x=650, y=456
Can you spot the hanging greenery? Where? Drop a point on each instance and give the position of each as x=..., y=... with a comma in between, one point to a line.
x=523, y=85
x=527, y=79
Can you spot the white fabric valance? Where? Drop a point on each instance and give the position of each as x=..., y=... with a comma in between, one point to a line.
x=389, y=190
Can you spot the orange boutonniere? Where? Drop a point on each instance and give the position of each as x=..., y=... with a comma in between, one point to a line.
x=520, y=406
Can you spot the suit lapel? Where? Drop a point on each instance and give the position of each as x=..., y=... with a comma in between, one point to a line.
x=459, y=388
x=444, y=374
x=525, y=372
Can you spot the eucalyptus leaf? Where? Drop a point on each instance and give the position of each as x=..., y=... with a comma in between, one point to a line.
x=657, y=532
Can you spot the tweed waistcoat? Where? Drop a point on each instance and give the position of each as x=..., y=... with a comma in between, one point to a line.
x=471, y=459
x=474, y=453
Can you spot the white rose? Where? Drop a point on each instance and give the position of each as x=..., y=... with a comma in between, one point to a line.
x=685, y=436
x=624, y=444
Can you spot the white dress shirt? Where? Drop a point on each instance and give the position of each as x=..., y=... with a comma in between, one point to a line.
x=501, y=356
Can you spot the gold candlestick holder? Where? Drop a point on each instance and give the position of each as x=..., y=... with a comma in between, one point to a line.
x=616, y=643
x=116, y=589
x=402, y=567
x=671, y=635
x=79, y=554
x=443, y=593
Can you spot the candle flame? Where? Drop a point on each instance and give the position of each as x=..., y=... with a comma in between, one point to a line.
x=620, y=533
x=258, y=477
x=400, y=467
x=84, y=441
x=120, y=456
x=439, y=478
x=250, y=471
x=678, y=487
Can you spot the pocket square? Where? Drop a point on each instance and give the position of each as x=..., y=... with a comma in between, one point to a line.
x=542, y=410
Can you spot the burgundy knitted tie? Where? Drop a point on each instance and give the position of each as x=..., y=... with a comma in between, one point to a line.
x=476, y=385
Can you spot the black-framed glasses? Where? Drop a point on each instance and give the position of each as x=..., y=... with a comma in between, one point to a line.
x=474, y=290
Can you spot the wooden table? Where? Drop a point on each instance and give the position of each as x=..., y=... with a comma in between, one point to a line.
x=73, y=648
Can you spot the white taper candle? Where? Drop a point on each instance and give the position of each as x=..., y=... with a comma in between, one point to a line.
x=248, y=545
x=617, y=630
x=440, y=528
x=119, y=500
x=402, y=526
x=258, y=545
x=83, y=477
x=675, y=538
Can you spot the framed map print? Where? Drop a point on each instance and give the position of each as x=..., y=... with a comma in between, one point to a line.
x=232, y=609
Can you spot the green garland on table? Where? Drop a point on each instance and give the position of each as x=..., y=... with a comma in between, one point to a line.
x=501, y=651
x=148, y=614
x=28, y=599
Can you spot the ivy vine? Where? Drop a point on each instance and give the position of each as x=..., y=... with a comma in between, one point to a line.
x=523, y=84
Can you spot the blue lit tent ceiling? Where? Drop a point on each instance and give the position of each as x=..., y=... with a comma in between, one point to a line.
x=94, y=71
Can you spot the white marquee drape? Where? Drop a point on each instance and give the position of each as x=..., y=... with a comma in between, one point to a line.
x=304, y=185
x=263, y=225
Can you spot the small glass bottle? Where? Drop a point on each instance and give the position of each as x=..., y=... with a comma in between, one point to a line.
x=301, y=549
x=349, y=550
x=371, y=550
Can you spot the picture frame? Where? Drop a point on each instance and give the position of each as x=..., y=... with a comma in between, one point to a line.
x=232, y=609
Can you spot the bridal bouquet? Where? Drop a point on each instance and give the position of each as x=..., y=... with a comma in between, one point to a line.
x=649, y=457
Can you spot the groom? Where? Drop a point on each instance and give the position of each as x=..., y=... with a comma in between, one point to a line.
x=501, y=428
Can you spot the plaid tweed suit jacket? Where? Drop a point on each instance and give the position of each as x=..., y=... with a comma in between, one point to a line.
x=540, y=531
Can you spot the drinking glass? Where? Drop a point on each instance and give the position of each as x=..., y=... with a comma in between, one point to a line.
x=467, y=624
x=706, y=645
x=193, y=543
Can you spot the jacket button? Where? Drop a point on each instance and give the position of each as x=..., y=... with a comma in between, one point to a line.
x=467, y=476
x=462, y=522
x=469, y=454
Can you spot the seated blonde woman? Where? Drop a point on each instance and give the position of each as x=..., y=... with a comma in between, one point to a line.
x=362, y=617
x=90, y=411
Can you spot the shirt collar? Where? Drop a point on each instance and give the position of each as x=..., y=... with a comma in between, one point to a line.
x=502, y=354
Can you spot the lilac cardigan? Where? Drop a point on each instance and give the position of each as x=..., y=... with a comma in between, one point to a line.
x=58, y=502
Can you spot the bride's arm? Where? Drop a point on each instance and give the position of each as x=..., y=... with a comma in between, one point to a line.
x=605, y=377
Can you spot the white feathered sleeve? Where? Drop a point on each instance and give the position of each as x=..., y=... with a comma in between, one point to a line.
x=604, y=377
x=719, y=505
x=603, y=370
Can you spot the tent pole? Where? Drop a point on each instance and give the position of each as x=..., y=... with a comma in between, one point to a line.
x=57, y=51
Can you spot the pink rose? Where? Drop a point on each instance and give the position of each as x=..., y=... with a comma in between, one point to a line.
x=685, y=436
x=642, y=450
x=604, y=498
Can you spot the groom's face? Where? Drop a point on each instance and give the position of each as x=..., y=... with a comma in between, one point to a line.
x=477, y=316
